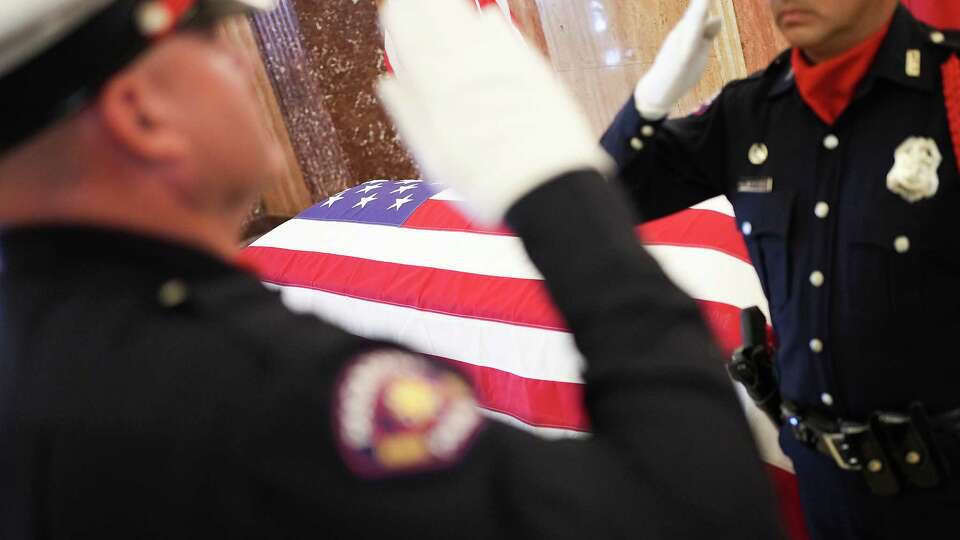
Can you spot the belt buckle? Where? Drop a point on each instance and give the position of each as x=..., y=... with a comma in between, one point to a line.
x=839, y=449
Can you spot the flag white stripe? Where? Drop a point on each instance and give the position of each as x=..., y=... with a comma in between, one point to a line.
x=705, y=274
x=528, y=352
x=717, y=204
x=710, y=275
x=543, y=432
x=447, y=195
x=493, y=255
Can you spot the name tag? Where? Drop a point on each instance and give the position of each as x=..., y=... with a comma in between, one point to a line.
x=755, y=185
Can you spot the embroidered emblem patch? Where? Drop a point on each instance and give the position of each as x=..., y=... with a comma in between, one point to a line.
x=914, y=173
x=395, y=413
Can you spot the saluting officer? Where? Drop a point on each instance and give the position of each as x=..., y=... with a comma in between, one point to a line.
x=840, y=161
x=151, y=389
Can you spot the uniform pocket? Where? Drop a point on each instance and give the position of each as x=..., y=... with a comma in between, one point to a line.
x=868, y=279
x=765, y=221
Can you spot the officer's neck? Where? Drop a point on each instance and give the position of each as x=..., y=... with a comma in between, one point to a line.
x=846, y=39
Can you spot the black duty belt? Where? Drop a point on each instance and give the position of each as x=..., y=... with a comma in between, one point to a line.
x=890, y=451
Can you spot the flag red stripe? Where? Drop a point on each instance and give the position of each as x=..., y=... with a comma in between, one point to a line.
x=788, y=497
x=697, y=228
x=515, y=301
x=499, y=299
x=535, y=402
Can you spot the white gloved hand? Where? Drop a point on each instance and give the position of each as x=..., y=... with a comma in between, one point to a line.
x=679, y=64
x=481, y=111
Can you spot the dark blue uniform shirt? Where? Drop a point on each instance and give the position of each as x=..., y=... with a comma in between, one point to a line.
x=863, y=286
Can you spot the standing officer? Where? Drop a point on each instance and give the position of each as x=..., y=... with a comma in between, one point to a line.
x=151, y=389
x=842, y=171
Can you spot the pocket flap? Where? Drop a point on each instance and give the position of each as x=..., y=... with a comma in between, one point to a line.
x=764, y=214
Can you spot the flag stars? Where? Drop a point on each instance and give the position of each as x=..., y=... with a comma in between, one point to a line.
x=400, y=202
x=403, y=189
x=365, y=200
x=330, y=202
x=407, y=182
x=369, y=187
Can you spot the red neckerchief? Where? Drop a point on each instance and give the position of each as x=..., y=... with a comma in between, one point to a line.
x=828, y=87
x=951, y=96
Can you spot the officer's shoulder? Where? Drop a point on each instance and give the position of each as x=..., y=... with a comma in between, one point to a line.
x=394, y=412
x=758, y=84
x=239, y=308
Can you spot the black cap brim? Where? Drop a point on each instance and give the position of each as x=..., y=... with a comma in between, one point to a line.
x=69, y=73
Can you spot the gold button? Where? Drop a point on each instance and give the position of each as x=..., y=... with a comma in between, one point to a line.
x=912, y=457
x=746, y=228
x=758, y=154
x=636, y=144
x=816, y=278
x=826, y=399
x=831, y=142
x=816, y=345
x=875, y=465
x=937, y=37
x=172, y=293
x=901, y=244
x=647, y=131
x=821, y=210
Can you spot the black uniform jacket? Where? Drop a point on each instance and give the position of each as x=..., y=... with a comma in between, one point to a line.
x=863, y=283
x=149, y=390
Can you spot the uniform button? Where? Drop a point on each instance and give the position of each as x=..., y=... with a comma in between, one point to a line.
x=636, y=144
x=816, y=278
x=747, y=228
x=172, y=293
x=830, y=142
x=822, y=210
x=647, y=131
x=875, y=465
x=827, y=399
x=758, y=154
x=937, y=37
x=901, y=244
x=913, y=457
x=816, y=345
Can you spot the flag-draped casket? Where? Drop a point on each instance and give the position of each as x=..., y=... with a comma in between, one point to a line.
x=398, y=260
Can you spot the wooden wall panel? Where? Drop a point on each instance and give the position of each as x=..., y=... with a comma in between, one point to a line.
x=527, y=16
x=601, y=49
x=288, y=194
x=321, y=59
x=760, y=38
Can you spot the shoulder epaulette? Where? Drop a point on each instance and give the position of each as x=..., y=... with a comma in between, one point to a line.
x=949, y=39
x=778, y=65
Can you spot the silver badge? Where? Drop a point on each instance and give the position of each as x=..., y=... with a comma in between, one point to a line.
x=914, y=173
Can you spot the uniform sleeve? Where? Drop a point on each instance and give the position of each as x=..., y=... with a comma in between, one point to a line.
x=667, y=166
x=663, y=412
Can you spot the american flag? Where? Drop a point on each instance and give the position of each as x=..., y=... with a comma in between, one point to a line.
x=397, y=260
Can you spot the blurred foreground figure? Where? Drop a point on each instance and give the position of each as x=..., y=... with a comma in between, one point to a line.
x=150, y=389
x=840, y=161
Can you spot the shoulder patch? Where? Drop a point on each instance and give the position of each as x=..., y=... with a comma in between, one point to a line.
x=395, y=413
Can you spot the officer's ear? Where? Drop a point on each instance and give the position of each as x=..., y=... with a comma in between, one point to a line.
x=134, y=113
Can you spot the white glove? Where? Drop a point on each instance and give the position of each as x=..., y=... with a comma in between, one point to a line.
x=481, y=111
x=680, y=62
